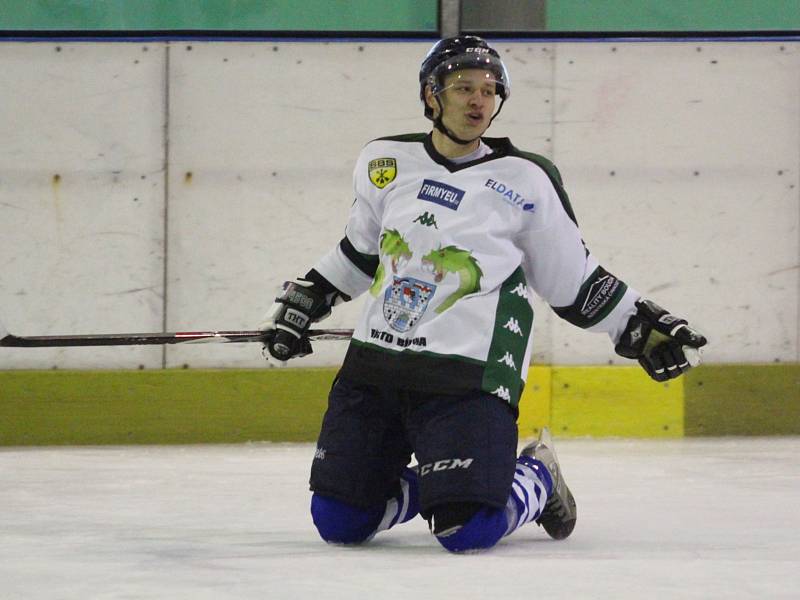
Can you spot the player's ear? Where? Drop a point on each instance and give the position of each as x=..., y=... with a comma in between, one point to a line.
x=431, y=101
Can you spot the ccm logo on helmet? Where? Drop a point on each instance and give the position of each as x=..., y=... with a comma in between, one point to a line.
x=448, y=464
x=478, y=50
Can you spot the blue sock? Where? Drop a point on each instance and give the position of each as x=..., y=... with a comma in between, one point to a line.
x=484, y=529
x=342, y=523
x=530, y=489
x=404, y=506
x=529, y=492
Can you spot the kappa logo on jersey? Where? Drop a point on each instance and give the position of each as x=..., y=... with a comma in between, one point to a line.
x=427, y=219
x=513, y=326
x=405, y=301
x=521, y=290
x=508, y=360
x=382, y=171
x=510, y=195
x=441, y=194
x=503, y=393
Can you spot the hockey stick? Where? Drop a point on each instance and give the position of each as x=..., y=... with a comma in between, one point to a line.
x=9, y=340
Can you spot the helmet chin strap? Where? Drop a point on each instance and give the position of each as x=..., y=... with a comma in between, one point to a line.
x=438, y=124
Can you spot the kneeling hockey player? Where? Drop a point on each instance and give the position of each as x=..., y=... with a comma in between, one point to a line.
x=448, y=233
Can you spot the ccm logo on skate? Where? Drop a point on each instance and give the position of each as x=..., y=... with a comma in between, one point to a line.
x=447, y=464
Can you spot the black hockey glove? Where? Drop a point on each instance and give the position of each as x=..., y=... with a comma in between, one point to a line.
x=303, y=301
x=290, y=317
x=664, y=345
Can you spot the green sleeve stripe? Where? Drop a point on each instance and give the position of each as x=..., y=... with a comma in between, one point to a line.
x=598, y=296
x=366, y=263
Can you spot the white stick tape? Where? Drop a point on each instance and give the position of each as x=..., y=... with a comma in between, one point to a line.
x=692, y=355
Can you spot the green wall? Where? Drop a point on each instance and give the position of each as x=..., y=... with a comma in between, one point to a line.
x=232, y=405
x=273, y=15
x=672, y=15
x=168, y=406
x=387, y=15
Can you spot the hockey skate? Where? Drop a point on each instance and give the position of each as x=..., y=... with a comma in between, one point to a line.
x=560, y=512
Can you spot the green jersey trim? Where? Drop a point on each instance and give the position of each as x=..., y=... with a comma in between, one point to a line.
x=552, y=173
x=421, y=371
x=405, y=137
x=513, y=325
x=456, y=357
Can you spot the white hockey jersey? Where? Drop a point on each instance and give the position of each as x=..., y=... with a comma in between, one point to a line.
x=447, y=254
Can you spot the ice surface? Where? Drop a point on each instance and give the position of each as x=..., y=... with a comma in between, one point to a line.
x=657, y=519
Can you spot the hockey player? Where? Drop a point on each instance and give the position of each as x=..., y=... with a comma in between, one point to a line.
x=448, y=233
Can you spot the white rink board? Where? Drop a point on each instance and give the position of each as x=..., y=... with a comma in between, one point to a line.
x=271, y=174
x=81, y=198
x=701, y=212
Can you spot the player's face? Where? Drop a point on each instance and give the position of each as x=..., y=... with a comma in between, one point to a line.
x=468, y=100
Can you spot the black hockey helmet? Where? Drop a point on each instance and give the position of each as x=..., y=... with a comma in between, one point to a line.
x=454, y=54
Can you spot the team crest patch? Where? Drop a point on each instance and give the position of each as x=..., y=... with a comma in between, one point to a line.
x=405, y=302
x=382, y=171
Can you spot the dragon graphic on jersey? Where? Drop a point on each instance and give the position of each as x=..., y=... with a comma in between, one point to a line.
x=396, y=248
x=452, y=259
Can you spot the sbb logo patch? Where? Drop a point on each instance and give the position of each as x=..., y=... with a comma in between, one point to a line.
x=382, y=171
